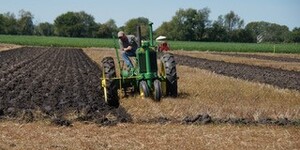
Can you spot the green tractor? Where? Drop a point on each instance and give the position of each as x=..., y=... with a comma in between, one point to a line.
x=149, y=77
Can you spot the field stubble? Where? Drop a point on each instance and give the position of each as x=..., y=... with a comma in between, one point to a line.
x=204, y=92
x=146, y=136
x=4, y=47
x=200, y=92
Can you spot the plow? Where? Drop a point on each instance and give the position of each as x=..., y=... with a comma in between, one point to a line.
x=153, y=75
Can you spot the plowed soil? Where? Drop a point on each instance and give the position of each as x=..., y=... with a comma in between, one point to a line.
x=278, y=58
x=50, y=83
x=272, y=76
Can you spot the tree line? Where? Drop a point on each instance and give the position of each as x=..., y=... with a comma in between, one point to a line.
x=186, y=25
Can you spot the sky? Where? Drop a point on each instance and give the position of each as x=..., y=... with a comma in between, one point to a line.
x=283, y=12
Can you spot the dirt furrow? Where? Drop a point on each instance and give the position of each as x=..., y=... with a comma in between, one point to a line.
x=17, y=80
x=276, y=77
x=274, y=58
x=58, y=82
x=7, y=58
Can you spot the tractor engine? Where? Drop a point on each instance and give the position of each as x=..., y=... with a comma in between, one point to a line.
x=142, y=59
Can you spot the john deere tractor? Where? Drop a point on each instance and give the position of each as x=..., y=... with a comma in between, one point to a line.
x=146, y=78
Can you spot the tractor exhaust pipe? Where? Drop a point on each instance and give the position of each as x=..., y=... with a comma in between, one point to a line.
x=151, y=34
x=139, y=39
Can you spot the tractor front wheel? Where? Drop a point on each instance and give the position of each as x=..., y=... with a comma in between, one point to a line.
x=157, y=92
x=144, y=90
x=109, y=85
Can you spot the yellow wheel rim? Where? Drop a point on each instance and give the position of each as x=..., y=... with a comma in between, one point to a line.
x=104, y=85
x=142, y=94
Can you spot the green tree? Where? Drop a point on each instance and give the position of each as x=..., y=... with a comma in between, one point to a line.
x=217, y=32
x=25, y=24
x=183, y=22
x=241, y=35
x=268, y=32
x=2, y=25
x=187, y=24
x=45, y=29
x=164, y=30
x=130, y=26
x=201, y=23
x=278, y=33
x=66, y=24
x=232, y=21
x=105, y=30
x=88, y=24
x=296, y=35
x=191, y=23
x=9, y=23
x=229, y=28
x=75, y=24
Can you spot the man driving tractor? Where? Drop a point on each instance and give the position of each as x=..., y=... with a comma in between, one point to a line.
x=128, y=47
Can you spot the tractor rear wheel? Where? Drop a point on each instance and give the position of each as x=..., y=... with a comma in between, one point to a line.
x=169, y=71
x=157, y=92
x=144, y=90
x=110, y=85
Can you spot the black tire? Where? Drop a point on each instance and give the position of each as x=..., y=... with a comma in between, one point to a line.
x=144, y=90
x=157, y=92
x=109, y=71
x=169, y=66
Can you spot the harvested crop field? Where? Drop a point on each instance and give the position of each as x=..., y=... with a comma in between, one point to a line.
x=225, y=104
